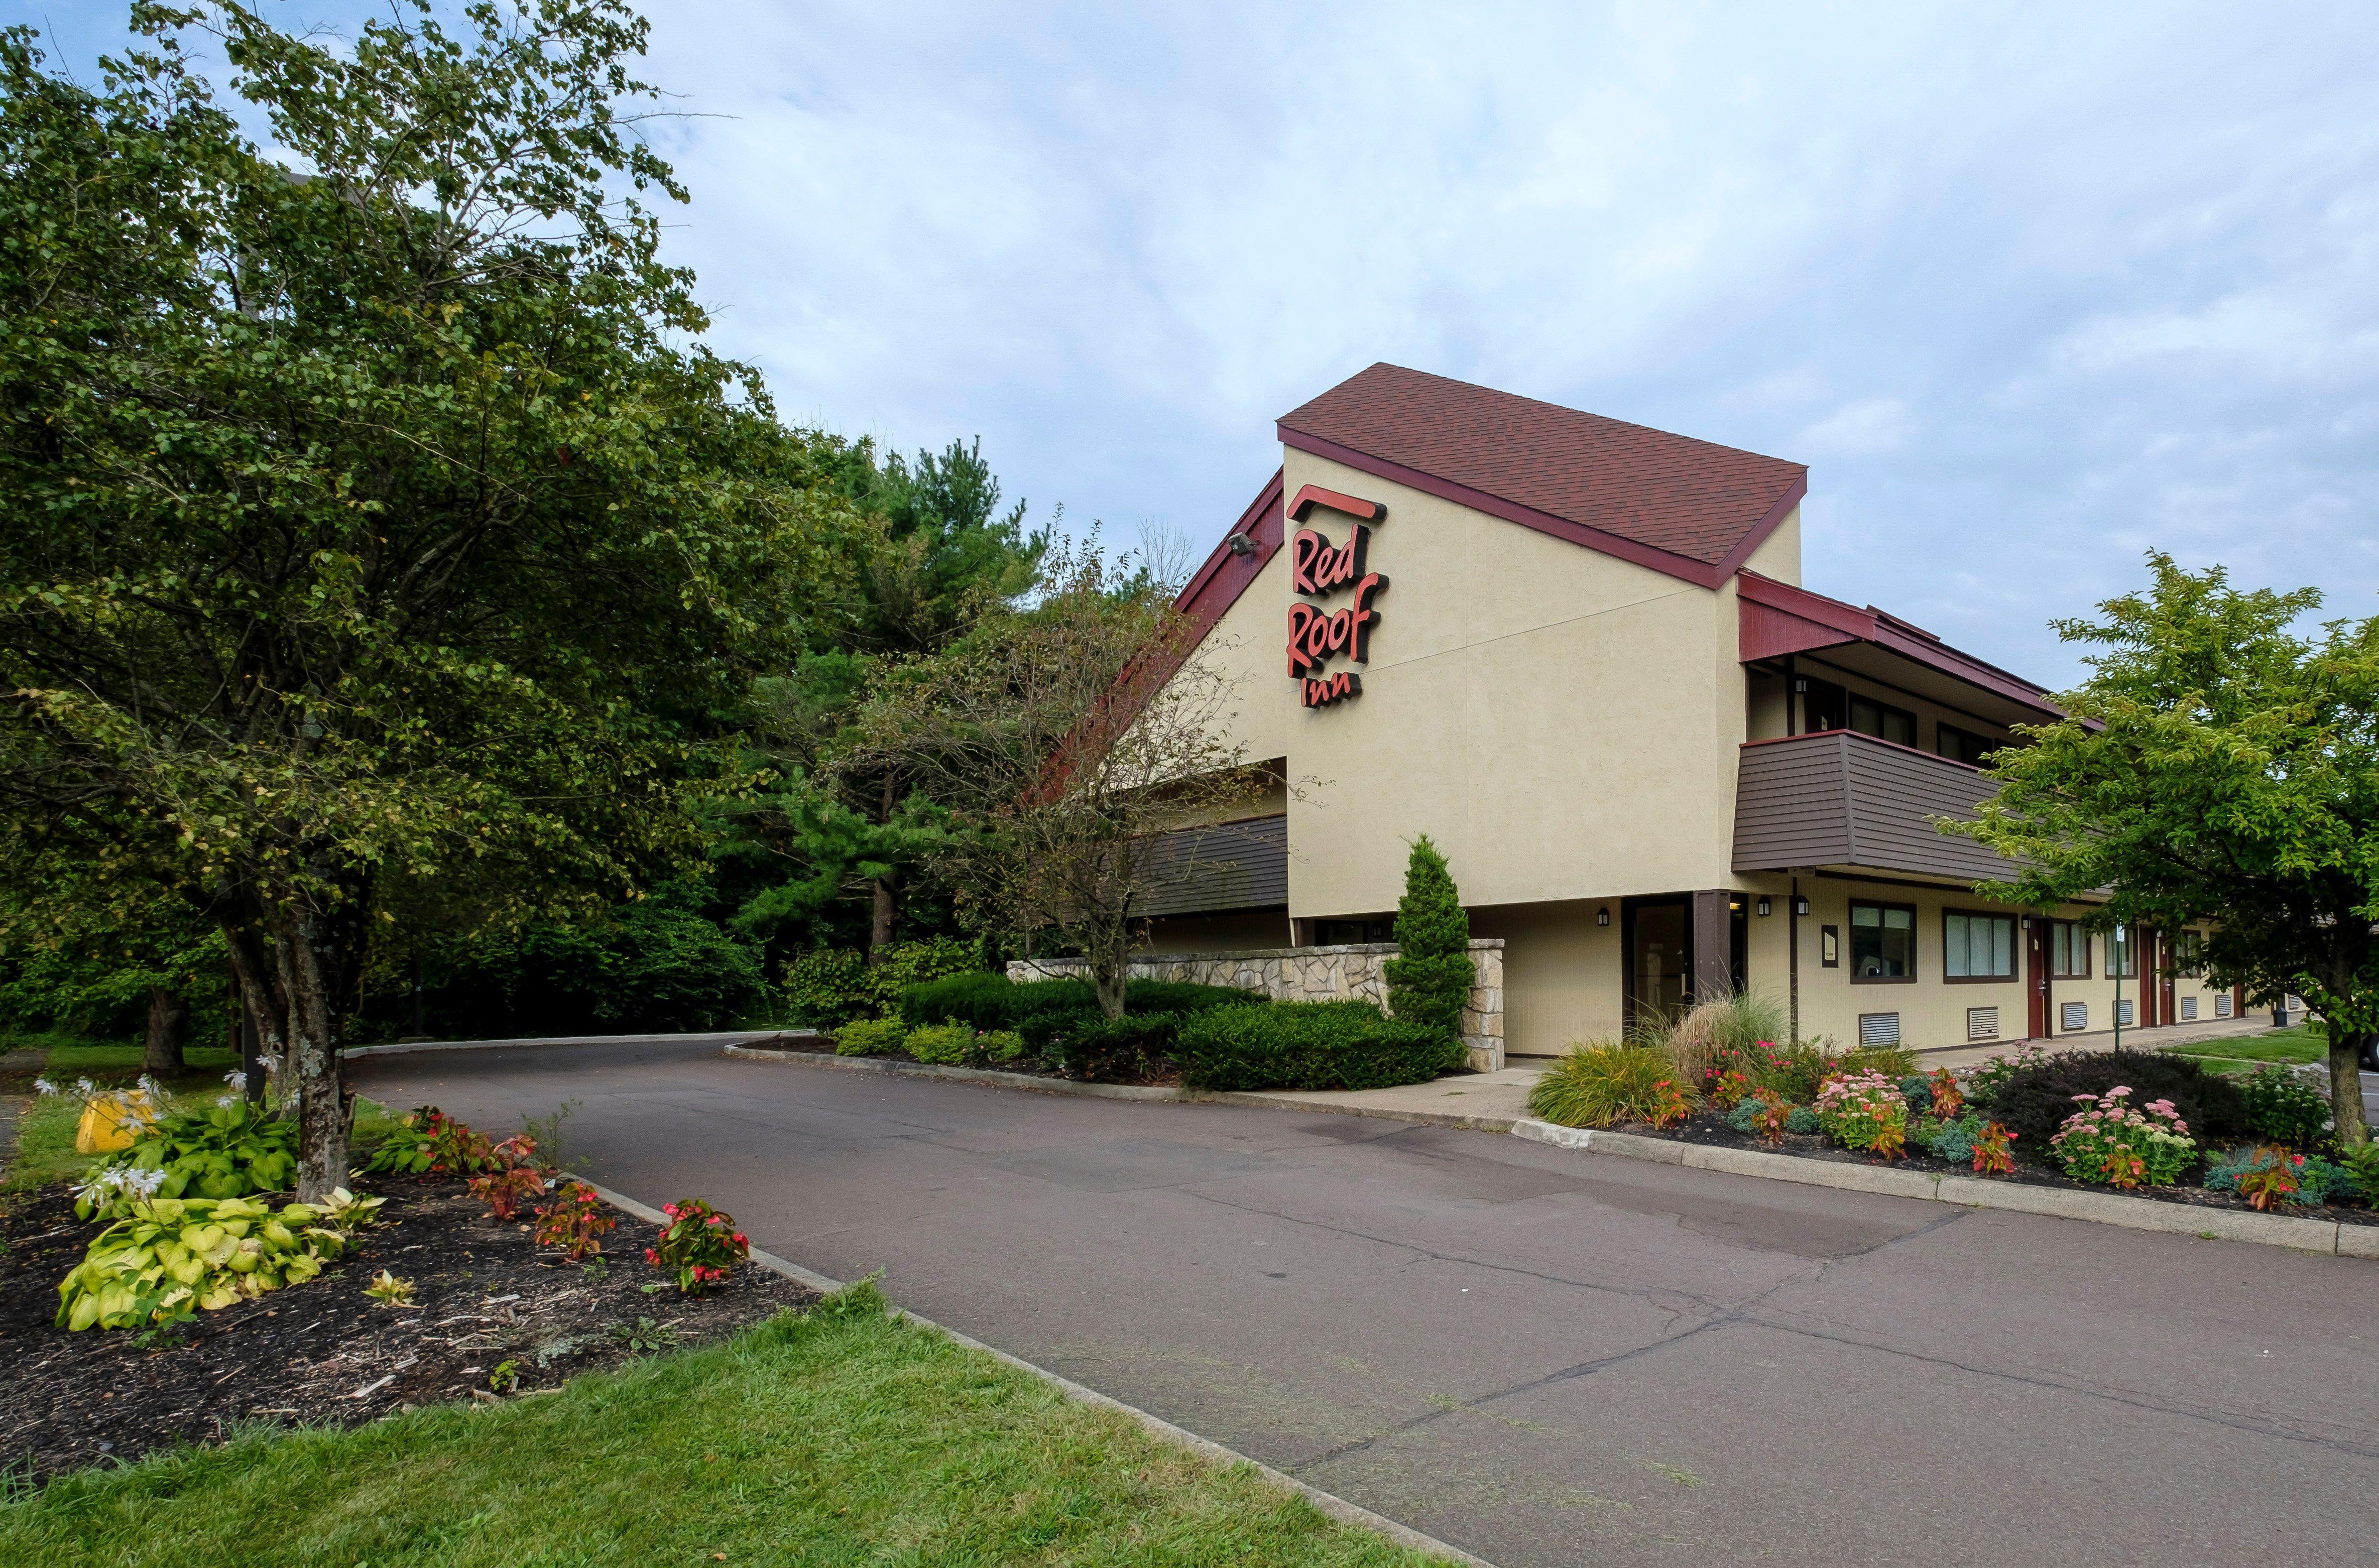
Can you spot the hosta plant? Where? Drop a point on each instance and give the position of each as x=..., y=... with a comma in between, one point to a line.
x=700, y=1245
x=389, y=1290
x=575, y=1221
x=2109, y=1140
x=1865, y=1111
x=172, y=1257
x=227, y=1151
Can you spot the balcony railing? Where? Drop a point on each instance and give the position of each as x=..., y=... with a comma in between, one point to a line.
x=1839, y=798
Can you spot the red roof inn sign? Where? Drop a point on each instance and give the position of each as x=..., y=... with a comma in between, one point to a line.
x=1320, y=570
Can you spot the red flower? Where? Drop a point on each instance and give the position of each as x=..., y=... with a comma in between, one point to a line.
x=739, y=1238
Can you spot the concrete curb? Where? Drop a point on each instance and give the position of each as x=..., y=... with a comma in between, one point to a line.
x=1036, y=1084
x=2328, y=1237
x=410, y=1047
x=1337, y=1507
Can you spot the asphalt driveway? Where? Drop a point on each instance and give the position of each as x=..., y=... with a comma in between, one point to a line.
x=1542, y=1356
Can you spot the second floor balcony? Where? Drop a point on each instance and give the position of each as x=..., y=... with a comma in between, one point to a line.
x=1841, y=801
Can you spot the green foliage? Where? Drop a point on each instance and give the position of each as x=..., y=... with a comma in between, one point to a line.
x=1865, y=1111
x=172, y=1257
x=869, y=1037
x=2216, y=766
x=829, y=988
x=947, y=1043
x=1310, y=1045
x=2361, y=1162
x=1602, y=1082
x=226, y=1150
x=574, y=1221
x=1431, y=978
x=996, y=1046
x=2035, y=1101
x=2281, y=1106
x=1803, y=1119
x=1739, y=1030
x=427, y=1142
x=701, y=1244
x=1130, y=1049
x=1046, y=1011
x=2109, y=1140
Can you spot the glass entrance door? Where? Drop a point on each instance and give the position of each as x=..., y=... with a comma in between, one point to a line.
x=1660, y=958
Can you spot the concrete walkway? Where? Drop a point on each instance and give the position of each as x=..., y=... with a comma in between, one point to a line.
x=1544, y=1356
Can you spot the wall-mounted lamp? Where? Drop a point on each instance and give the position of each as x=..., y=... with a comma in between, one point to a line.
x=1800, y=906
x=1763, y=908
x=1602, y=915
x=1800, y=682
x=1241, y=545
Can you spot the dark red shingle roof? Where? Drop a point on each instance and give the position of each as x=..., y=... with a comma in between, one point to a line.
x=1691, y=499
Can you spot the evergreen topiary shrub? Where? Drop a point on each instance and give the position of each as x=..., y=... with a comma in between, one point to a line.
x=1309, y=1045
x=2033, y=1101
x=1430, y=977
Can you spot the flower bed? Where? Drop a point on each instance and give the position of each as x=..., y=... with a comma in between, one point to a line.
x=488, y=1310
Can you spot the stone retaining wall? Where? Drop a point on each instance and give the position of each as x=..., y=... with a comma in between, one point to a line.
x=1316, y=975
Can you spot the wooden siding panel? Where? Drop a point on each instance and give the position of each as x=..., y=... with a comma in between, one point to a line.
x=1236, y=865
x=1845, y=799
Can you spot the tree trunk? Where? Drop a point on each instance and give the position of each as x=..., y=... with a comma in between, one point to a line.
x=305, y=945
x=884, y=916
x=258, y=1000
x=169, y=1023
x=2345, y=1089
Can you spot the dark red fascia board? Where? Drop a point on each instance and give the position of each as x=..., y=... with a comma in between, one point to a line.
x=1311, y=496
x=1701, y=574
x=1831, y=622
x=1217, y=585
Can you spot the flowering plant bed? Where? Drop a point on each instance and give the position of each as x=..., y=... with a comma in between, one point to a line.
x=1713, y=1127
x=490, y=1315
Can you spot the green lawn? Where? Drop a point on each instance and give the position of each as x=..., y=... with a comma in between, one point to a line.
x=842, y=1437
x=2246, y=1053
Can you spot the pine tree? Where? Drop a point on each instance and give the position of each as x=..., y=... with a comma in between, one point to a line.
x=1429, y=979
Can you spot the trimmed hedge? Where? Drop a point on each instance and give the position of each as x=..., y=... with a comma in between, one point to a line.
x=1309, y=1045
x=1125, y=1050
x=2033, y=1103
x=1046, y=1011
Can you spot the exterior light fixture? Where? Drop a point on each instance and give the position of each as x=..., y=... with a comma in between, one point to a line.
x=1241, y=545
x=1800, y=906
x=1763, y=908
x=1602, y=915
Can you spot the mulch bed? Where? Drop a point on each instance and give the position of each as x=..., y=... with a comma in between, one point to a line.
x=324, y=1351
x=1711, y=1127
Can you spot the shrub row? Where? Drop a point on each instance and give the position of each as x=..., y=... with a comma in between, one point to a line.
x=1047, y=1012
x=1310, y=1045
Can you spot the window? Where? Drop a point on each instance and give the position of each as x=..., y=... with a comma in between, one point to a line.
x=1884, y=723
x=2069, y=951
x=1961, y=745
x=1883, y=941
x=2122, y=958
x=2188, y=954
x=1977, y=946
x=1350, y=933
x=1824, y=705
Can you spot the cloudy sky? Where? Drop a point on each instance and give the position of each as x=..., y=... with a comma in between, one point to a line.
x=2032, y=289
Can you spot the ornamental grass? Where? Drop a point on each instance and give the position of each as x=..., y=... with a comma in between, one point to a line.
x=1603, y=1081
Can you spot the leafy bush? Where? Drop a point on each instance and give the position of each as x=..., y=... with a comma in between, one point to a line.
x=1182, y=997
x=1430, y=977
x=998, y=1045
x=701, y=1244
x=2109, y=1139
x=1801, y=1119
x=229, y=1150
x=1310, y=1045
x=2033, y=1101
x=517, y=1182
x=1865, y=1111
x=1949, y=1100
x=1984, y=1082
x=869, y=1037
x=2363, y=1169
x=1039, y=1011
x=1956, y=1138
x=2259, y=1173
x=1794, y=1072
x=829, y=988
x=2282, y=1106
x=1917, y=1089
x=1994, y=1151
x=427, y=1142
x=1130, y=1049
x=2325, y=1181
x=1601, y=1082
x=1761, y=1117
x=573, y=1220
x=172, y=1257
x=948, y=1043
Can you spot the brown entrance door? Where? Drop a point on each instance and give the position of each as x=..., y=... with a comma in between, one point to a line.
x=1657, y=937
x=2036, y=977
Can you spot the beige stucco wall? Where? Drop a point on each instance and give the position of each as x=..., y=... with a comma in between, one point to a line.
x=1779, y=555
x=1557, y=719
x=1562, y=973
x=1247, y=652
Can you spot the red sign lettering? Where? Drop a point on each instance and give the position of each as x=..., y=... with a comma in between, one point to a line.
x=1319, y=568
x=1333, y=689
x=1314, y=633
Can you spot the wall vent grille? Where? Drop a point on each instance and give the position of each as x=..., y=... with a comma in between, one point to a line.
x=2073, y=1016
x=1879, y=1029
x=1982, y=1023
